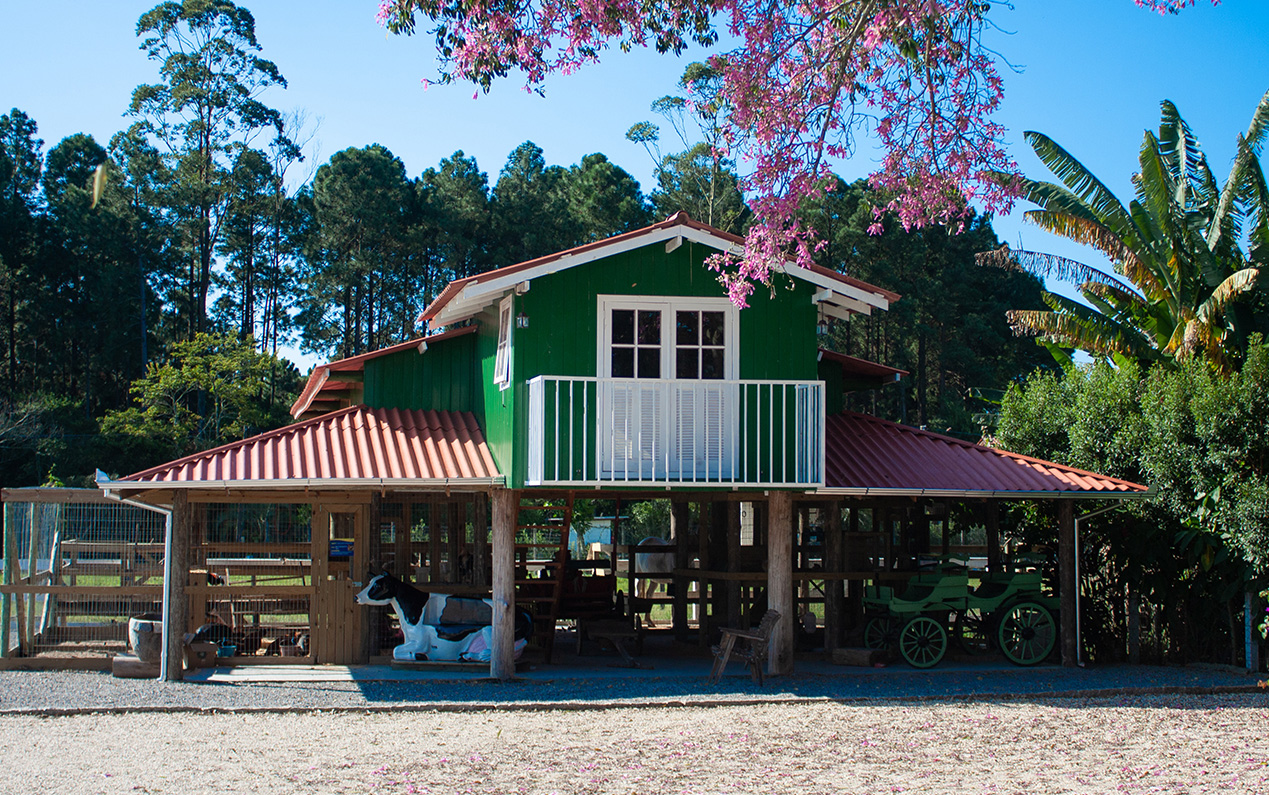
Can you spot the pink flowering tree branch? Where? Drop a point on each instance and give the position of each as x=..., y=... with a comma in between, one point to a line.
x=807, y=78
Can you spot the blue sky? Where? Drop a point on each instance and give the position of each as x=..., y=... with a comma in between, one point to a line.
x=1092, y=74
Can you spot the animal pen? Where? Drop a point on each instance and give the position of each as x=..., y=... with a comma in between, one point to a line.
x=280, y=576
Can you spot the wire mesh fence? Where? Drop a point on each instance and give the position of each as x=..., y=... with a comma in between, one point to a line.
x=76, y=566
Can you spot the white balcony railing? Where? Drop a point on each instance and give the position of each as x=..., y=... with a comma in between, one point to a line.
x=596, y=431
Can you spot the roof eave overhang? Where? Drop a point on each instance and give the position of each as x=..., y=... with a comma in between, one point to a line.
x=473, y=297
x=117, y=488
x=865, y=491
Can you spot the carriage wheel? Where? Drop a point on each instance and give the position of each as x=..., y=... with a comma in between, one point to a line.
x=1027, y=633
x=923, y=642
x=972, y=632
x=877, y=633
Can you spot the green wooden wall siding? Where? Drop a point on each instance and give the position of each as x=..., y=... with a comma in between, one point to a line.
x=498, y=419
x=445, y=378
x=777, y=331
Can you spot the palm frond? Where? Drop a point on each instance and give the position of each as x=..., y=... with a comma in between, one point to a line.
x=1078, y=178
x=1156, y=188
x=1089, y=330
x=1117, y=298
x=1181, y=150
x=1045, y=266
x=1259, y=124
x=1227, y=291
x=1072, y=332
x=1087, y=231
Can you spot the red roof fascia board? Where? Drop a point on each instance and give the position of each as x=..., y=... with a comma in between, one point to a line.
x=319, y=379
x=356, y=443
x=864, y=454
x=452, y=289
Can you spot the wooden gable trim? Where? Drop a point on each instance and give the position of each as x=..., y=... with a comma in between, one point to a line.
x=463, y=299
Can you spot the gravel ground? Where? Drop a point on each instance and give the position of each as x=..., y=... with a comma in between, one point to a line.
x=87, y=691
x=1161, y=744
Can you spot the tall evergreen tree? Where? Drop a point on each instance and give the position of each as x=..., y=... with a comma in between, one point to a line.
x=21, y=164
x=358, y=261
x=603, y=200
x=206, y=110
x=530, y=207
x=455, y=196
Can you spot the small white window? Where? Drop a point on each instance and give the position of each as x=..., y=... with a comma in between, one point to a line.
x=502, y=362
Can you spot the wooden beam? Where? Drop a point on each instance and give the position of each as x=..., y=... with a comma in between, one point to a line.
x=780, y=580
x=1068, y=585
x=57, y=496
x=502, y=661
x=175, y=600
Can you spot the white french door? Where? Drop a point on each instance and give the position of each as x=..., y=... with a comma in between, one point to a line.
x=667, y=368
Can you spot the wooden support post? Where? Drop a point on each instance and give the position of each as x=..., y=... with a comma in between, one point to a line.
x=1068, y=585
x=175, y=600
x=680, y=518
x=834, y=560
x=780, y=580
x=32, y=543
x=703, y=617
x=993, y=536
x=734, y=608
x=480, y=542
x=502, y=663
x=947, y=528
x=6, y=601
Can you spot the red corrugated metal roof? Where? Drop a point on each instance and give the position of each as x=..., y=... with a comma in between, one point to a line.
x=853, y=366
x=866, y=455
x=354, y=444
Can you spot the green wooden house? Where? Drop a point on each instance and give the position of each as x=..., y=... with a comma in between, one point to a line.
x=618, y=369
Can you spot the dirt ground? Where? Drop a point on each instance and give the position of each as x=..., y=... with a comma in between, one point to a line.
x=1183, y=744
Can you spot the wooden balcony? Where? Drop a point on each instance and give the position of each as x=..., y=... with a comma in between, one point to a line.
x=643, y=432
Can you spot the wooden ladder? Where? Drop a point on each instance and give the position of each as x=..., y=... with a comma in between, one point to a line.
x=542, y=596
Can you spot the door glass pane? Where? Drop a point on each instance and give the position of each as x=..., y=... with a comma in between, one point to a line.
x=688, y=328
x=712, y=363
x=685, y=364
x=712, y=328
x=649, y=327
x=623, y=327
x=623, y=362
x=649, y=363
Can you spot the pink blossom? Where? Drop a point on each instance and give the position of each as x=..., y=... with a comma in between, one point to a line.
x=805, y=79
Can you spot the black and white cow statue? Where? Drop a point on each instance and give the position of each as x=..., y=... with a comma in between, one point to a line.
x=440, y=626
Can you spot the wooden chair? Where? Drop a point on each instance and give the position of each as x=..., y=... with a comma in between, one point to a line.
x=753, y=651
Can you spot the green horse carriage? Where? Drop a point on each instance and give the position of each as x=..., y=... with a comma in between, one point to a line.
x=1008, y=610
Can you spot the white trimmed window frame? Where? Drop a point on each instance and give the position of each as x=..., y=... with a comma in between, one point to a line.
x=506, y=325
x=668, y=305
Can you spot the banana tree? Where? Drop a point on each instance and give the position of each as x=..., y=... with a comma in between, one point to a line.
x=1176, y=249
